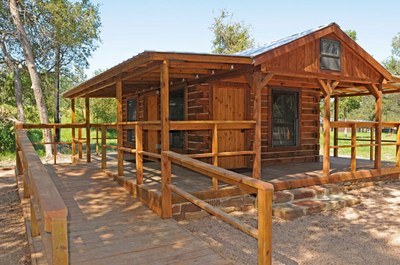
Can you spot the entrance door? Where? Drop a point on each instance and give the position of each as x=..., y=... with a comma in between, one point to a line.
x=229, y=104
x=151, y=114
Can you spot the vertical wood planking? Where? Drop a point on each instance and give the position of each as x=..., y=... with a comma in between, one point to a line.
x=138, y=154
x=214, y=151
x=336, y=130
x=264, y=200
x=73, y=148
x=59, y=241
x=120, y=132
x=166, y=202
x=87, y=116
x=378, y=130
x=353, y=161
x=103, y=147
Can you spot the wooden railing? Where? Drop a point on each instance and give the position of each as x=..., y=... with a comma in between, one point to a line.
x=263, y=190
x=48, y=210
x=373, y=127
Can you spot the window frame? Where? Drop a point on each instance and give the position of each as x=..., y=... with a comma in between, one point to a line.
x=297, y=146
x=328, y=55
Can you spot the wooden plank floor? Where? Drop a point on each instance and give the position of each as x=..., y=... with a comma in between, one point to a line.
x=107, y=226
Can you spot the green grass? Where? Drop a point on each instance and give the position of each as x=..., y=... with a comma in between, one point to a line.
x=388, y=152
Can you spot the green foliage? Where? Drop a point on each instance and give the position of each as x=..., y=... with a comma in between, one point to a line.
x=229, y=36
x=7, y=136
x=352, y=34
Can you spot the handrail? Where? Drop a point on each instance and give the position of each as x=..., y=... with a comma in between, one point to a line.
x=263, y=189
x=45, y=200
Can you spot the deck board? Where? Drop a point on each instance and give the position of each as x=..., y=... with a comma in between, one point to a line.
x=108, y=226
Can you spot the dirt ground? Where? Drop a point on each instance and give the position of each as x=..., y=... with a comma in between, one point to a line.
x=14, y=247
x=365, y=234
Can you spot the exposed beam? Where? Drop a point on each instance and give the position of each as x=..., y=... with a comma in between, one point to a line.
x=137, y=72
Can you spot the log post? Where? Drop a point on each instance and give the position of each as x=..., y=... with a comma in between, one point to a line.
x=55, y=144
x=378, y=130
x=119, y=127
x=214, y=151
x=353, y=162
x=166, y=201
x=264, y=201
x=35, y=231
x=73, y=144
x=59, y=240
x=371, y=142
x=327, y=91
x=336, y=130
x=103, y=146
x=87, y=115
x=398, y=146
x=138, y=154
x=97, y=141
x=80, y=143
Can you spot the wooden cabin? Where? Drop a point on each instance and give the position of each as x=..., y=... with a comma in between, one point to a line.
x=278, y=87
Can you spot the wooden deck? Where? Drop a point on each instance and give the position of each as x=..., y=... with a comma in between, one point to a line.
x=108, y=226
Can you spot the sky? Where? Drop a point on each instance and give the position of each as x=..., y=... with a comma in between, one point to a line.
x=131, y=27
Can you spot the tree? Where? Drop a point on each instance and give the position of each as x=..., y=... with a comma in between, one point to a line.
x=34, y=75
x=72, y=32
x=229, y=36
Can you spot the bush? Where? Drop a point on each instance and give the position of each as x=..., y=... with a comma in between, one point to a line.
x=7, y=136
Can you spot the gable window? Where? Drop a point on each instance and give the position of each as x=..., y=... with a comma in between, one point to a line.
x=177, y=113
x=285, y=118
x=330, y=55
x=131, y=116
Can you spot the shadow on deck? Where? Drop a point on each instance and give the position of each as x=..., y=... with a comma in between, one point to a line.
x=108, y=226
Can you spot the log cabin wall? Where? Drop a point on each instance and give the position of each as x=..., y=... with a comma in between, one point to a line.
x=199, y=106
x=308, y=144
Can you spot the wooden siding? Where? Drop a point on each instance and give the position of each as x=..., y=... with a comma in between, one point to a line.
x=306, y=58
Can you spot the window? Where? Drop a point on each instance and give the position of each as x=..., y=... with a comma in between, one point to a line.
x=285, y=121
x=131, y=116
x=177, y=113
x=330, y=55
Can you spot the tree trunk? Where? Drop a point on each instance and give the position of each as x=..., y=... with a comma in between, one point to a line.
x=17, y=80
x=57, y=94
x=35, y=79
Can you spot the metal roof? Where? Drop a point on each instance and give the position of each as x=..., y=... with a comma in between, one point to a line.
x=278, y=43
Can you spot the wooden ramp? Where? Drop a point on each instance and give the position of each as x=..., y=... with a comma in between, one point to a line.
x=107, y=226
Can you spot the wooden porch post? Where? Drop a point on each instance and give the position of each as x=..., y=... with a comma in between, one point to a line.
x=87, y=116
x=327, y=90
x=335, y=130
x=73, y=147
x=166, y=202
x=139, y=155
x=378, y=129
x=119, y=127
x=257, y=82
x=398, y=147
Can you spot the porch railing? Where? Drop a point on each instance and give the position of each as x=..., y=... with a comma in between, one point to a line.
x=47, y=208
x=263, y=190
x=372, y=127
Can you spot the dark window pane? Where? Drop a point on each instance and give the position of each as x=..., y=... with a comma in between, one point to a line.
x=285, y=122
x=330, y=55
x=131, y=116
x=177, y=113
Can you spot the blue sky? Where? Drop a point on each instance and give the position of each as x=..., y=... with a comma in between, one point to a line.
x=130, y=27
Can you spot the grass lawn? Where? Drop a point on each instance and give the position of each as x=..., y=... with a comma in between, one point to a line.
x=388, y=152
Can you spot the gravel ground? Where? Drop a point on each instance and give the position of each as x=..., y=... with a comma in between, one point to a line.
x=368, y=233
x=14, y=247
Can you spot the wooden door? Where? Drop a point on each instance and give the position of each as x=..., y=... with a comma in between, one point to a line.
x=151, y=114
x=229, y=104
